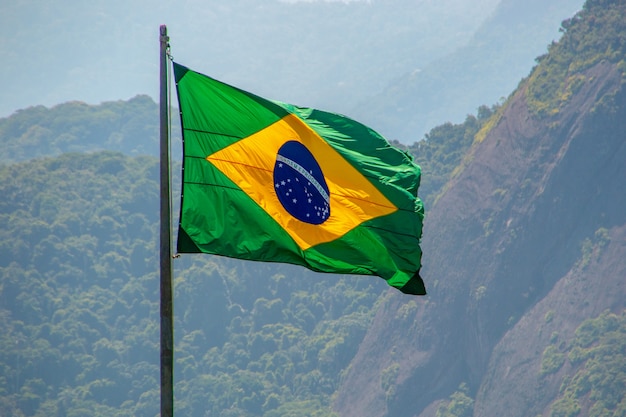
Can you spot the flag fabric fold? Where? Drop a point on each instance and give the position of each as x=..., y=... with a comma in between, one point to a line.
x=269, y=181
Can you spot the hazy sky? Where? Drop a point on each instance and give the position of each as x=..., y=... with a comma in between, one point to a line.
x=329, y=54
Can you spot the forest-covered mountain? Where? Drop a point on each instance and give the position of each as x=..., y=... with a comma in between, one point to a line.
x=79, y=283
x=129, y=126
x=79, y=299
x=524, y=263
x=525, y=252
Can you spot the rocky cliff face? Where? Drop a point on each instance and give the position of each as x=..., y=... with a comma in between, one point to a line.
x=533, y=224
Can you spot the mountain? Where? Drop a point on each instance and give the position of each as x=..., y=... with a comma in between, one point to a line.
x=125, y=126
x=79, y=305
x=327, y=54
x=483, y=70
x=78, y=284
x=525, y=252
x=524, y=263
x=401, y=66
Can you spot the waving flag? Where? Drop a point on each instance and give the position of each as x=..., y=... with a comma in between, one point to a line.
x=269, y=181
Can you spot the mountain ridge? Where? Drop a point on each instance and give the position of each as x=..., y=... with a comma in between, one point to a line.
x=506, y=229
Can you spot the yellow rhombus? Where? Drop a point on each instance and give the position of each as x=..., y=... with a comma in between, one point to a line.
x=249, y=163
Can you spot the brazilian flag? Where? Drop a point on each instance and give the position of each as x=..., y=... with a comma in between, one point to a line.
x=269, y=181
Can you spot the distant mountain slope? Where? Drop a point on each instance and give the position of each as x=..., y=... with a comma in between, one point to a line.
x=525, y=244
x=487, y=68
x=126, y=126
x=326, y=54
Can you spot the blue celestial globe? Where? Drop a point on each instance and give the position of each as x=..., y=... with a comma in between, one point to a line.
x=300, y=184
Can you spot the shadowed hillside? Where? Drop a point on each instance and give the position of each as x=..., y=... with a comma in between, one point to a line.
x=524, y=245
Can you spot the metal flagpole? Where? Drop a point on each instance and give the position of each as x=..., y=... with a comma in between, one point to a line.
x=165, y=253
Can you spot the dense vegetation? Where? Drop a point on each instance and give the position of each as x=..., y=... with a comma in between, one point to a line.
x=77, y=298
x=79, y=306
x=130, y=127
x=597, y=33
x=460, y=404
x=79, y=286
x=596, y=382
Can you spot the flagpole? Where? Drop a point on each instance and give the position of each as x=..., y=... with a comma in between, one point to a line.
x=165, y=252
